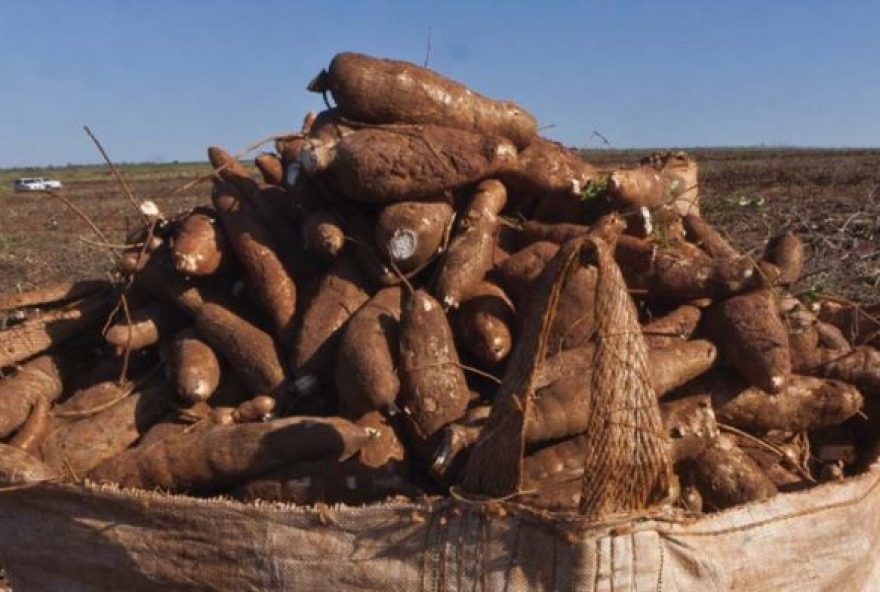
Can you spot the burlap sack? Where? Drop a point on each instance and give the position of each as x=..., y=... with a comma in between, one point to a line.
x=78, y=538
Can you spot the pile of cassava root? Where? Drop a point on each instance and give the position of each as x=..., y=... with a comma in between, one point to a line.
x=338, y=330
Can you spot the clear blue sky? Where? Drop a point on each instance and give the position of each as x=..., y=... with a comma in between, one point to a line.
x=160, y=80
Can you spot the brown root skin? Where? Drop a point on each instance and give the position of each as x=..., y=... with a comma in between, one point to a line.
x=231, y=171
x=92, y=399
x=471, y=251
x=74, y=448
x=366, y=361
x=198, y=245
x=561, y=408
x=133, y=259
x=378, y=90
x=640, y=187
x=690, y=424
x=452, y=451
x=385, y=448
x=222, y=457
x=51, y=294
x=341, y=292
x=148, y=326
x=805, y=403
x=330, y=482
x=194, y=367
x=34, y=430
x=672, y=328
x=38, y=334
x=753, y=338
x=410, y=234
x=562, y=403
x=831, y=337
x=860, y=367
x=328, y=126
x=675, y=365
x=702, y=234
x=270, y=168
x=433, y=389
x=519, y=271
x=256, y=250
x=575, y=320
x=777, y=467
x=803, y=339
x=18, y=467
x=564, y=458
x=684, y=172
x=250, y=350
x=484, y=324
x=547, y=167
x=39, y=379
x=308, y=121
x=726, y=476
x=859, y=325
x=259, y=408
x=322, y=234
x=608, y=227
x=533, y=232
x=404, y=163
x=786, y=251
x=159, y=278
x=679, y=274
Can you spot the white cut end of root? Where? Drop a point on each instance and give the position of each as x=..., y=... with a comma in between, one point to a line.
x=291, y=174
x=305, y=385
x=450, y=302
x=402, y=244
x=316, y=156
x=149, y=209
x=426, y=305
x=372, y=433
x=186, y=262
x=201, y=388
x=615, y=181
x=777, y=381
x=576, y=186
x=646, y=216
x=441, y=458
x=506, y=150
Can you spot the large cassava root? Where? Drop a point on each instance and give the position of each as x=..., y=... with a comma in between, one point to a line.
x=255, y=248
x=36, y=335
x=401, y=163
x=374, y=90
x=39, y=379
x=222, y=456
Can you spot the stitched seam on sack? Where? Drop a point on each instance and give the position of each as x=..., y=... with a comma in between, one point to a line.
x=760, y=523
x=514, y=558
x=634, y=566
x=613, y=563
x=662, y=565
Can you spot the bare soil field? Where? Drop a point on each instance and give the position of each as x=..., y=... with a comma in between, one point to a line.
x=829, y=197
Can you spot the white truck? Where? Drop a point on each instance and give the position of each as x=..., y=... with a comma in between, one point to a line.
x=36, y=184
